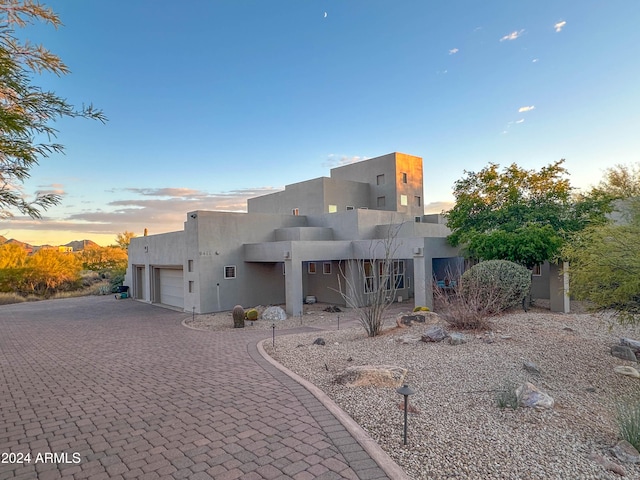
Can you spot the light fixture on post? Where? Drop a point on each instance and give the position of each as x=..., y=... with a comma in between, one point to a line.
x=405, y=391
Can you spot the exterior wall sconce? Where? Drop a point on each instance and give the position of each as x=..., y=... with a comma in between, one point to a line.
x=405, y=391
x=194, y=215
x=287, y=254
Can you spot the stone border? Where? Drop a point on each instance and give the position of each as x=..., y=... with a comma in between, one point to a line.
x=384, y=461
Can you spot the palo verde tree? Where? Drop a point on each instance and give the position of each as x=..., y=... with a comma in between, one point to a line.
x=524, y=216
x=604, y=260
x=27, y=112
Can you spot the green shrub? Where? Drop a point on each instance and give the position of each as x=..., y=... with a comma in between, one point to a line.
x=496, y=284
x=628, y=419
x=251, y=314
x=506, y=395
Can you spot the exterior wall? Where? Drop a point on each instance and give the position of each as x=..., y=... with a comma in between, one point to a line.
x=540, y=283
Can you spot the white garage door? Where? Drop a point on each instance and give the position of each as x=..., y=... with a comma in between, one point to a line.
x=171, y=287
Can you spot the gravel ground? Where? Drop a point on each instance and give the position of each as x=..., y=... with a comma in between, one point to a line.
x=459, y=431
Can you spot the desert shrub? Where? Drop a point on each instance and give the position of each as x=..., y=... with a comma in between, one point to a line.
x=628, y=419
x=498, y=284
x=505, y=395
x=251, y=314
x=9, y=298
x=117, y=278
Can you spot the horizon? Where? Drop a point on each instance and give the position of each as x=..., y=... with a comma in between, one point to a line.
x=213, y=103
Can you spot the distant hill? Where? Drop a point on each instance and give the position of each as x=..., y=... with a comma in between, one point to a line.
x=77, y=245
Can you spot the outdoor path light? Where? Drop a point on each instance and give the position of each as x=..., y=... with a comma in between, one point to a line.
x=273, y=330
x=405, y=390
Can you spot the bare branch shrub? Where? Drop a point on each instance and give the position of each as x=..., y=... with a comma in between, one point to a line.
x=369, y=284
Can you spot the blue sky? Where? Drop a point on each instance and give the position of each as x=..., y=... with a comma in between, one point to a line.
x=212, y=102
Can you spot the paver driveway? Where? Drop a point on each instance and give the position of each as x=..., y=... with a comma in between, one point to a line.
x=119, y=389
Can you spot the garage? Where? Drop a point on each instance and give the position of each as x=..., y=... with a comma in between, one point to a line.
x=171, y=287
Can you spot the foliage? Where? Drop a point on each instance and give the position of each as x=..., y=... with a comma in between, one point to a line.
x=99, y=258
x=12, y=256
x=124, y=239
x=370, y=281
x=519, y=215
x=506, y=396
x=26, y=111
x=500, y=284
x=49, y=270
x=621, y=181
x=238, y=316
x=604, y=264
x=628, y=418
x=117, y=278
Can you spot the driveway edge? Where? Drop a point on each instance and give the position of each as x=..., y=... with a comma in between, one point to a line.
x=382, y=458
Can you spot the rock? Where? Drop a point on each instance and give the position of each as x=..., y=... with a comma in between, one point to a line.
x=435, y=333
x=607, y=464
x=456, y=338
x=408, y=339
x=631, y=343
x=273, y=314
x=623, y=352
x=628, y=371
x=531, y=396
x=489, y=337
x=531, y=367
x=319, y=341
x=411, y=319
x=372, y=376
x=625, y=452
x=332, y=309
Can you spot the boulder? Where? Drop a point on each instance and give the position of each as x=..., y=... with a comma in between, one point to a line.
x=625, y=452
x=623, y=352
x=531, y=396
x=632, y=344
x=434, y=333
x=408, y=339
x=319, y=341
x=372, y=376
x=628, y=371
x=273, y=314
x=456, y=338
x=411, y=319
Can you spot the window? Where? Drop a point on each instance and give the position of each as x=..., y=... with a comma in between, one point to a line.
x=311, y=268
x=403, y=200
x=398, y=273
x=190, y=286
x=417, y=201
x=394, y=269
x=380, y=179
x=418, y=219
x=295, y=211
x=369, y=276
x=350, y=207
x=190, y=265
x=382, y=201
x=536, y=271
x=230, y=271
x=404, y=177
x=384, y=269
x=326, y=268
x=333, y=208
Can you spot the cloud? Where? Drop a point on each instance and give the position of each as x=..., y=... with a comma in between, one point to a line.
x=512, y=35
x=334, y=160
x=520, y=121
x=535, y=60
x=438, y=207
x=453, y=51
x=559, y=26
x=526, y=109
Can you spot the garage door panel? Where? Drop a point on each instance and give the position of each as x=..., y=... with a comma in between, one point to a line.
x=172, y=287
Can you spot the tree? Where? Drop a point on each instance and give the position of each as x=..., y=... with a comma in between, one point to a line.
x=520, y=215
x=48, y=270
x=123, y=239
x=605, y=266
x=621, y=181
x=26, y=111
x=99, y=258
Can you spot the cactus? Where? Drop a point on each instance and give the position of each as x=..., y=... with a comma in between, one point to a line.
x=238, y=317
x=251, y=314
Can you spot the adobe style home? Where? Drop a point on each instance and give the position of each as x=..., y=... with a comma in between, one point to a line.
x=296, y=243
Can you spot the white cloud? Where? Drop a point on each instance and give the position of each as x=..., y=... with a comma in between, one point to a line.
x=512, y=35
x=453, y=51
x=535, y=60
x=520, y=121
x=559, y=26
x=526, y=109
x=334, y=160
x=438, y=207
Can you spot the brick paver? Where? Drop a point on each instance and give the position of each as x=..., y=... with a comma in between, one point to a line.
x=98, y=388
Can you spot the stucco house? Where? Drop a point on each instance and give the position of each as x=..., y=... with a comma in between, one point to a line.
x=294, y=243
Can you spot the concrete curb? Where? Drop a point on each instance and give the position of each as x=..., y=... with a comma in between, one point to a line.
x=384, y=461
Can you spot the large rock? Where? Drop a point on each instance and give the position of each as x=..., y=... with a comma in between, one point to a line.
x=623, y=352
x=273, y=314
x=631, y=343
x=456, y=338
x=372, y=376
x=434, y=333
x=408, y=339
x=625, y=452
x=628, y=371
x=531, y=396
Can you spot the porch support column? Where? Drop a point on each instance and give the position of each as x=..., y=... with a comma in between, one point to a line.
x=293, y=284
x=420, y=279
x=559, y=287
